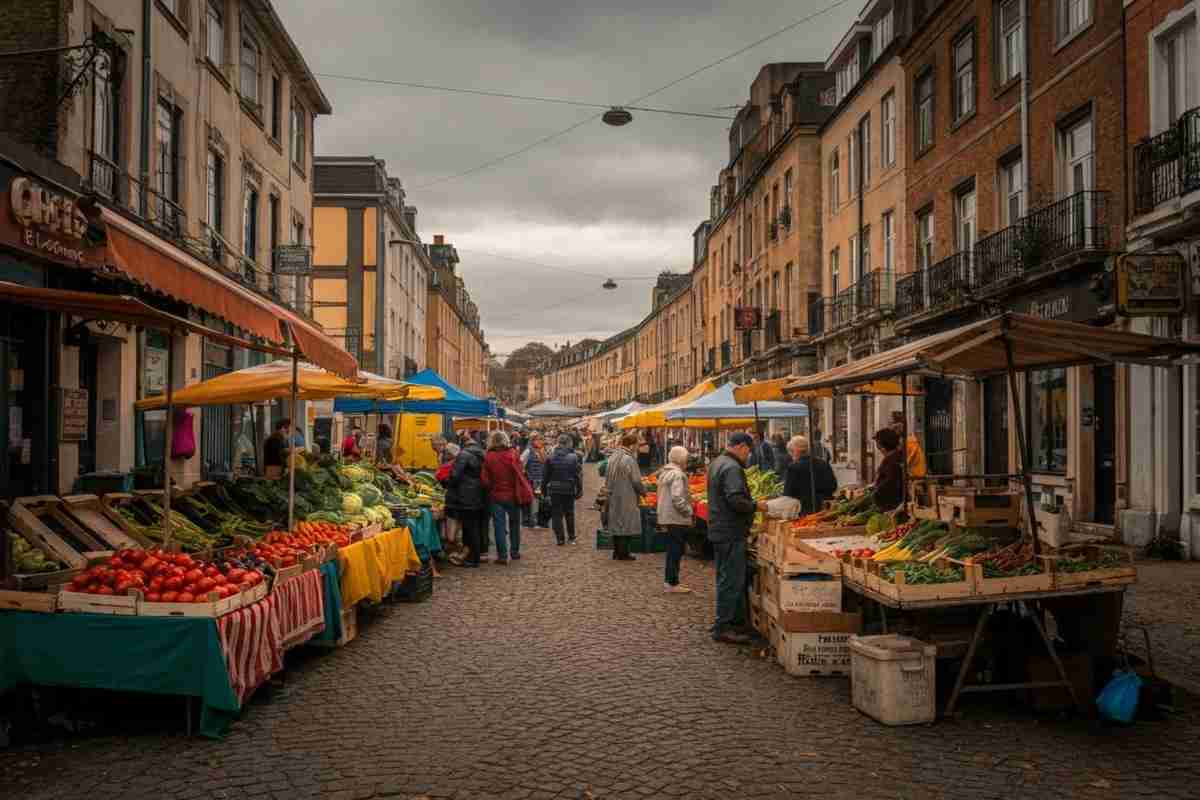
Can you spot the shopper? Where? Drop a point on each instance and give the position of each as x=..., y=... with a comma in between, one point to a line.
x=533, y=461
x=352, y=444
x=466, y=498
x=439, y=445
x=645, y=452
x=914, y=454
x=730, y=516
x=623, y=486
x=762, y=456
x=675, y=514
x=275, y=449
x=562, y=482
x=782, y=458
x=383, y=445
x=451, y=526
x=502, y=477
x=889, y=477
x=808, y=479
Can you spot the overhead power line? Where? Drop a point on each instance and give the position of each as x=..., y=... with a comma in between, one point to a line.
x=559, y=134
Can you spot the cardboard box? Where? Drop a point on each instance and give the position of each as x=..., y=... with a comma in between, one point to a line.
x=804, y=592
x=823, y=649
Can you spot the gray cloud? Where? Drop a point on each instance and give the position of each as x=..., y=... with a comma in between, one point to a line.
x=620, y=202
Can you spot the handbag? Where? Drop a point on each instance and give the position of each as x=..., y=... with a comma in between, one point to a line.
x=524, y=490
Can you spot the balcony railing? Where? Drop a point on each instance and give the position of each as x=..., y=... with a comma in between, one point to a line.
x=816, y=317
x=774, y=328
x=1167, y=165
x=726, y=354
x=1076, y=224
x=166, y=214
x=870, y=294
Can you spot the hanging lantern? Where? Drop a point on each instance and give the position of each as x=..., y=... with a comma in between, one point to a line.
x=617, y=116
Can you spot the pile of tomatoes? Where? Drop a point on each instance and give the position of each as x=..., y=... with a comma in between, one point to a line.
x=864, y=552
x=313, y=533
x=164, y=577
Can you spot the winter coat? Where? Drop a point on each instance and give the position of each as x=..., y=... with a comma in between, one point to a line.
x=808, y=479
x=464, y=489
x=535, y=465
x=730, y=506
x=563, y=474
x=501, y=472
x=624, y=484
x=674, y=499
x=889, y=481
x=782, y=459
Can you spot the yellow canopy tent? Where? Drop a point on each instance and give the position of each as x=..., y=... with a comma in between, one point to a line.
x=656, y=416
x=274, y=380
x=775, y=390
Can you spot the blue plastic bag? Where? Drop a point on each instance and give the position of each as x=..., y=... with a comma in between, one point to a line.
x=1118, y=700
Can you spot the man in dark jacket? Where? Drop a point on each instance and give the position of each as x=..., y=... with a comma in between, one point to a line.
x=562, y=482
x=466, y=498
x=809, y=480
x=780, y=451
x=730, y=515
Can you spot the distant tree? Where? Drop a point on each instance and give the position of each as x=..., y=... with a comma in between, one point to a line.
x=528, y=357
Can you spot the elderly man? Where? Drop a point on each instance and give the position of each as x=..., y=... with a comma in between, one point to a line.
x=808, y=479
x=730, y=515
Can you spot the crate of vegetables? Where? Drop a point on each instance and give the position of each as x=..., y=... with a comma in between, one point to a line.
x=1076, y=566
x=919, y=581
x=1010, y=569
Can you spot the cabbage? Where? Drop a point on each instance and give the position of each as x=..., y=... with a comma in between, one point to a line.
x=370, y=494
x=351, y=503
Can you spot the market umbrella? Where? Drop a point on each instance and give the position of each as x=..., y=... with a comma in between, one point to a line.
x=774, y=390
x=617, y=413
x=553, y=408
x=720, y=409
x=655, y=416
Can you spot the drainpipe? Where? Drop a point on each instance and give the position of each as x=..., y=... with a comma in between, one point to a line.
x=1025, y=102
x=147, y=80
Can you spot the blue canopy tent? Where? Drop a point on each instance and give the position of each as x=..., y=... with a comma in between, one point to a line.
x=722, y=410
x=456, y=404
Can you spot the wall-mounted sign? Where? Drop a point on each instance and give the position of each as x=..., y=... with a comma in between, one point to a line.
x=73, y=419
x=1151, y=284
x=293, y=259
x=1076, y=301
x=47, y=223
x=747, y=318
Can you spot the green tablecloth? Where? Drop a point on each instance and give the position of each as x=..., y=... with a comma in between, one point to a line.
x=425, y=536
x=331, y=580
x=162, y=655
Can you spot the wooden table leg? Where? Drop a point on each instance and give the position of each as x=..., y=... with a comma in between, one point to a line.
x=882, y=616
x=968, y=659
x=1062, y=673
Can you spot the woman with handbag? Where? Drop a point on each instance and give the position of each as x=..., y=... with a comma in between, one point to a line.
x=466, y=498
x=533, y=461
x=504, y=481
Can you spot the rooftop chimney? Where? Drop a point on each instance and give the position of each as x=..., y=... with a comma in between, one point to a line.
x=410, y=218
x=439, y=239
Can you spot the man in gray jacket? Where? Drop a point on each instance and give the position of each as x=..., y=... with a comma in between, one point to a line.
x=730, y=515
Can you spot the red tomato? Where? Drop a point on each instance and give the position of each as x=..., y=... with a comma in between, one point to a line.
x=173, y=584
x=105, y=590
x=153, y=597
x=150, y=564
x=170, y=597
x=228, y=590
x=236, y=575
x=211, y=571
x=219, y=580
x=201, y=598
x=185, y=597
x=156, y=584
x=204, y=585
x=116, y=563
x=193, y=575
x=190, y=588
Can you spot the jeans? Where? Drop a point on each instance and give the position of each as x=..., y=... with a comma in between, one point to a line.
x=676, y=539
x=527, y=518
x=562, y=507
x=731, y=585
x=506, y=515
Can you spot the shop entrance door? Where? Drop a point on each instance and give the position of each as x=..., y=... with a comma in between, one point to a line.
x=216, y=443
x=25, y=467
x=89, y=354
x=1104, y=426
x=939, y=426
x=995, y=425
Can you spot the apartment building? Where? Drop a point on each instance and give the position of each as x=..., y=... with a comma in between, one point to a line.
x=864, y=222
x=1162, y=144
x=186, y=128
x=371, y=271
x=454, y=342
x=1015, y=196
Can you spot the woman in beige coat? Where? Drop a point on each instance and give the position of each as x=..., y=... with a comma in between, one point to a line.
x=675, y=514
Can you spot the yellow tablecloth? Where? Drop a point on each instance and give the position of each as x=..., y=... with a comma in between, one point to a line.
x=370, y=567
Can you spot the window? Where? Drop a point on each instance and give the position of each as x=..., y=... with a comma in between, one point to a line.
x=852, y=164
x=881, y=34
x=298, y=231
x=299, y=146
x=888, y=146
x=250, y=67
x=1073, y=16
x=214, y=47
x=924, y=239
x=787, y=189
x=964, y=220
x=276, y=107
x=924, y=111
x=834, y=269
x=167, y=126
x=1011, y=49
x=852, y=273
x=1048, y=403
x=889, y=241
x=273, y=226
x=104, y=120
x=964, y=76
x=864, y=135
x=1078, y=157
x=865, y=255
x=250, y=225
x=214, y=208
x=1012, y=199
x=834, y=180
x=1175, y=82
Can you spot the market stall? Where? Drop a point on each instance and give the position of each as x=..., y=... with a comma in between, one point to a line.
x=553, y=409
x=979, y=550
x=656, y=416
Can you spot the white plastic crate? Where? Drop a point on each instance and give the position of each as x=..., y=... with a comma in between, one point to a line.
x=893, y=678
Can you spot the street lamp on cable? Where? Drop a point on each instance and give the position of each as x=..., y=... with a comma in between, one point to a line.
x=609, y=284
x=617, y=116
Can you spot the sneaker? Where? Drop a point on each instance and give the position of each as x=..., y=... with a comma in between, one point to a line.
x=730, y=637
x=560, y=543
x=625, y=557
x=516, y=556
x=574, y=541
x=676, y=589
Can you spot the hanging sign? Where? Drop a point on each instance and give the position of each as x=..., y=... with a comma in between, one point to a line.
x=1151, y=284
x=293, y=259
x=48, y=223
x=747, y=318
x=73, y=419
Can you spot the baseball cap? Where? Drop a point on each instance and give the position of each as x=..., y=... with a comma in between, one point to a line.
x=740, y=439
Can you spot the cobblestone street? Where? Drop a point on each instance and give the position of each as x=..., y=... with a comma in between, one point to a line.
x=568, y=675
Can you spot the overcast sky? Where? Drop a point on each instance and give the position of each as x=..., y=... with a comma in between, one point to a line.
x=619, y=202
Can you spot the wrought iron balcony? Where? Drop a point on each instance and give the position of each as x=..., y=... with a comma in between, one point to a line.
x=816, y=317
x=872, y=292
x=774, y=328
x=1167, y=165
x=949, y=281
x=910, y=294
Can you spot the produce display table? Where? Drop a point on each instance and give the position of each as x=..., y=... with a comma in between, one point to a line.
x=161, y=655
x=370, y=567
x=250, y=640
x=424, y=531
x=297, y=604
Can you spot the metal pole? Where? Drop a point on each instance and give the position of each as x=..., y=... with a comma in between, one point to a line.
x=1023, y=441
x=904, y=442
x=170, y=430
x=812, y=456
x=292, y=445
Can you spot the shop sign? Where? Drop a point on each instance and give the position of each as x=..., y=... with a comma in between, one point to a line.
x=1150, y=284
x=47, y=223
x=747, y=318
x=1075, y=302
x=293, y=259
x=73, y=411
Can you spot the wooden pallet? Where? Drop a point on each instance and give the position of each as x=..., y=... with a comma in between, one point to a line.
x=33, y=519
x=86, y=511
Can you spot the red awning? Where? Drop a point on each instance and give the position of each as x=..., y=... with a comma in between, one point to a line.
x=320, y=349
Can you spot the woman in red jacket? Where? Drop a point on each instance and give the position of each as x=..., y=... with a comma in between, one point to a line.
x=502, y=478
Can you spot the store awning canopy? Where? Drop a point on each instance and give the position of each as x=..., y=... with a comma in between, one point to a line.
x=719, y=409
x=121, y=308
x=274, y=380
x=775, y=390
x=656, y=416
x=617, y=413
x=553, y=408
x=453, y=403
x=981, y=349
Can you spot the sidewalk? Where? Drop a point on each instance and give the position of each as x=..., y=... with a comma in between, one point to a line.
x=1166, y=599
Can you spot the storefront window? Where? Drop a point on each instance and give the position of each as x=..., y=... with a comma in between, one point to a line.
x=1048, y=420
x=152, y=382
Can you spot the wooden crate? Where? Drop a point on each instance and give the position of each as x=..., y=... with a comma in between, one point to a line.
x=86, y=512
x=903, y=592
x=41, y=602
x=982, y=509
x=124, y=605
x=216, y=606
x=1017, y=584
x=1123, y=573
x=32, y=518
x=816, y=555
